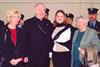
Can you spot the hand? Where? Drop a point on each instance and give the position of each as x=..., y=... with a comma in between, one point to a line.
x=50, y=54
x=25, y=59
x=19, y=59
x=15, y=61
x=82, y=51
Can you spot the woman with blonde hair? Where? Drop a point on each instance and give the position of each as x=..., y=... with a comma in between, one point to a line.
x=12, y=47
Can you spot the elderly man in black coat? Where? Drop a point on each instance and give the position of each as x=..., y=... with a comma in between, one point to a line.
x=38, y=40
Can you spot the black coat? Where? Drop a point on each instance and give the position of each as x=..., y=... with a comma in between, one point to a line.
x=38, y=41
x=97, y=27
x=1, y=34
x=9, y=51
x=1, y=30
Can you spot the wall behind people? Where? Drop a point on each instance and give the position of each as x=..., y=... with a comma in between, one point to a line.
x=77, y=7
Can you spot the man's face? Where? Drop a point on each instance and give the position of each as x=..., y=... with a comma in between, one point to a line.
x=92, y=17
x=40, y=11
x=69, y=20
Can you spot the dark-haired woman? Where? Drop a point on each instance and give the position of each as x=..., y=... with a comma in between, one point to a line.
x=62, y=45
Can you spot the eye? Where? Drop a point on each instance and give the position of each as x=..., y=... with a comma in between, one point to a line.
x=18, y=16
x=15, y=16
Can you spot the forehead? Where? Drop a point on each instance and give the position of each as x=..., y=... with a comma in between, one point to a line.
x=60, y=13
x=80, y=20
x=16, y=15
x=68, y=18
x=39, y=6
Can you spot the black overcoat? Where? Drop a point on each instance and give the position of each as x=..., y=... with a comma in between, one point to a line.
x=38, y=41
x=8, y=50
x=1, y=34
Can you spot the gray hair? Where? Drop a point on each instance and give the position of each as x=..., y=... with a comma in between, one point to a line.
x=39, y=3
x=81, y=18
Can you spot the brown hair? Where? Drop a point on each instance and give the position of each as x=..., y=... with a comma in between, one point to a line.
x=58, y=11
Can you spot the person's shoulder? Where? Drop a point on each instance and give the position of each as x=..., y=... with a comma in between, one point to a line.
x=91, y=30
x=98, y=22
x=47, y=21
x=68, y=25
x=1, y=22
x=29, y=20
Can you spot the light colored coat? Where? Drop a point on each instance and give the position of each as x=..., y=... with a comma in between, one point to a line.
x=89, y=39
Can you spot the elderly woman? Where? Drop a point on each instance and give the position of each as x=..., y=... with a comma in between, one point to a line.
x=12, y=46
x=83, y=38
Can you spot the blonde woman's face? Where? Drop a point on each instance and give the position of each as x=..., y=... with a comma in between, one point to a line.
x=60, y=17
x=15, y=19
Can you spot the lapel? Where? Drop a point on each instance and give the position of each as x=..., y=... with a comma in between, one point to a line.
x=18, y=36
x=96, y=25
x=86, y=40
x=89, y=24
x=75, y=35
x=85, y=37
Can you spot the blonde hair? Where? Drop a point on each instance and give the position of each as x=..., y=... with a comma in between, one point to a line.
x=11, y=13
x=81, y=18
